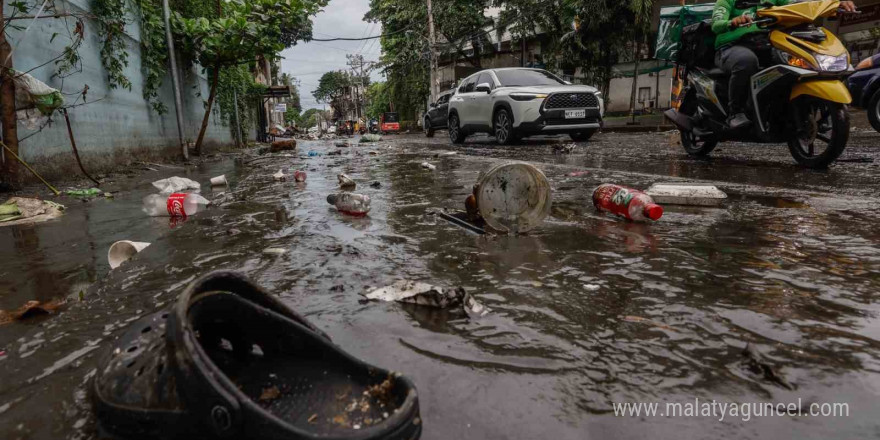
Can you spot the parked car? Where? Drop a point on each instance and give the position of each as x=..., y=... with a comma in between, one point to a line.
x=513, y=103
x=864, y=86
x=435, y=119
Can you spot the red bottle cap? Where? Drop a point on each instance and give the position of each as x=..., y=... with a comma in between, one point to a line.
x=653, y=212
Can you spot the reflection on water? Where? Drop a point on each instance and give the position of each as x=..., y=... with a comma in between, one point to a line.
x=587, y=310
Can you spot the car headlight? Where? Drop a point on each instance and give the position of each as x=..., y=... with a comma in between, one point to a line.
x=832, y=63
x=527, y=96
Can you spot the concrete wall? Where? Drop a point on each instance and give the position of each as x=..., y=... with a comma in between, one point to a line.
x=118, y=125
x=621, y=91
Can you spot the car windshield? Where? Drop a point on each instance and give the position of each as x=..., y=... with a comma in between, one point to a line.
x=525, y=77
x=390, y=117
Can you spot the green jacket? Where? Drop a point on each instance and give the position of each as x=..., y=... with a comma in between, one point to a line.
x=725, y=10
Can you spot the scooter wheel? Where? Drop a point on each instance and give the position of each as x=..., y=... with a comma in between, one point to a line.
x=820, y=134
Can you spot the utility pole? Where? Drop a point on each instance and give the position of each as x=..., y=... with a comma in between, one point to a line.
x=432, y=42
x=175, y=80
x=7, y=108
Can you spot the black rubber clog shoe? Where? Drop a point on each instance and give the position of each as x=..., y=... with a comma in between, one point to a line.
x=228, y=360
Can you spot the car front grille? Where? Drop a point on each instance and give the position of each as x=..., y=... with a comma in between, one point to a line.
x=572, y=100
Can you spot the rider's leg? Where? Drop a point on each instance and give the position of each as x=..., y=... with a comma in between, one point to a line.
x=740, y=63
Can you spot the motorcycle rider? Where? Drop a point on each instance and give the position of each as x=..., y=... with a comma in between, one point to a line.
x=731, y=23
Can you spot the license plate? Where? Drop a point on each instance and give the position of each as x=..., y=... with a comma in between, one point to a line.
x=575, y=114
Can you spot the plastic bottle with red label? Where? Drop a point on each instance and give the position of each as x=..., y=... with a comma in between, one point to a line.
x=174, y=205
x=626, y=202
x=357, y=205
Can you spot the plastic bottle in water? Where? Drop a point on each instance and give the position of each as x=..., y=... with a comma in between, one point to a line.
x=174, y=205
x=357, y=205
x=626, y=202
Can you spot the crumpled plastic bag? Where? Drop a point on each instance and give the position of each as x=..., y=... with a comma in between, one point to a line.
x=32, y=93
x=28, y=211
x=370, y=137
x=177, y=184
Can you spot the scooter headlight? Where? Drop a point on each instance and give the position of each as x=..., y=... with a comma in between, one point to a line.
x=832, y=63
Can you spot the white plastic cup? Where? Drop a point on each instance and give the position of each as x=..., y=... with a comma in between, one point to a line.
x=123, y=250
x=514, y=197
x=219, y=180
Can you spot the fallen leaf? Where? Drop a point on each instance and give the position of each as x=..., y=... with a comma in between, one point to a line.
x=271, y=393
x=29, y=310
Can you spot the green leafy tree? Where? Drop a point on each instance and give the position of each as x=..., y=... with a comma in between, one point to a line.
x=378, y=99
x=247, y=30
x=331, y=87
x=309, y=118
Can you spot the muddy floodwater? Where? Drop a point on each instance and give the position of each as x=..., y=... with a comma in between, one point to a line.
x=587, y=311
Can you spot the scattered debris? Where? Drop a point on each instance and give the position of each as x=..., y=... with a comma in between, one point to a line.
x=370, y=137
x=754, y=362
x=274, y=251
x=20, y=210
x=376, y=184
x=280, y=176
x=357, y=205
x=219, y=180
x=346, y=182
x=686, y=194
x=270, y=394
x=628, y=203
x=123, y=250
x=313, y=418
x=564, y=149
x=513, y=197
x=30, y=310
x=285, y=145
x=374, y=153
x=299, y=176
x=578, y=173
x=639, y=319
x=423, y=294
x=91, y=192
x=428, y=166
x=342, y=144
x=445, y=153
x=176, y=184
x=314, y=153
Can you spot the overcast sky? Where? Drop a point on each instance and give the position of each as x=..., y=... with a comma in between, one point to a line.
x=308, y=61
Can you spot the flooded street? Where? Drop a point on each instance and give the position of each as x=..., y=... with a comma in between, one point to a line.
x=587, y=310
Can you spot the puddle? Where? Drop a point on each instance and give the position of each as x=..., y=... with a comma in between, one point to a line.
x=582, y=306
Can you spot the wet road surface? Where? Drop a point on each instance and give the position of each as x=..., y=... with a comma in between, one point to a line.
x=587, y=310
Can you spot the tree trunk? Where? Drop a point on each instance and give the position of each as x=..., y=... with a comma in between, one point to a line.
x=635, y=84
x=7, y=110
x=215, y=78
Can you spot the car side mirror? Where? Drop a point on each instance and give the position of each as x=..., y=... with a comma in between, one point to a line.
x=484, y=87
x=432, y=105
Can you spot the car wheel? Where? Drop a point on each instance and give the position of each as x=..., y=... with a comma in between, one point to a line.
x=874, y=111
x=582, y=136
x=455, y=133
x=503, y=126
x=429, y=130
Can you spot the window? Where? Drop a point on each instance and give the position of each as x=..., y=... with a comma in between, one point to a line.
x=527, y=77
x=644, y=94
x=467, y=85
x=486, y=77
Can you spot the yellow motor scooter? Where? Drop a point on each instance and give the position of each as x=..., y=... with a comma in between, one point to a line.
x=799, y=96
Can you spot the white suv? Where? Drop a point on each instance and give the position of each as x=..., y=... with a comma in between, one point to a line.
x=516, y=102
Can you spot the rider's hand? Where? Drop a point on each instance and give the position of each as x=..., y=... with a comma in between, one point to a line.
x=848, y=6
x=742, y=20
